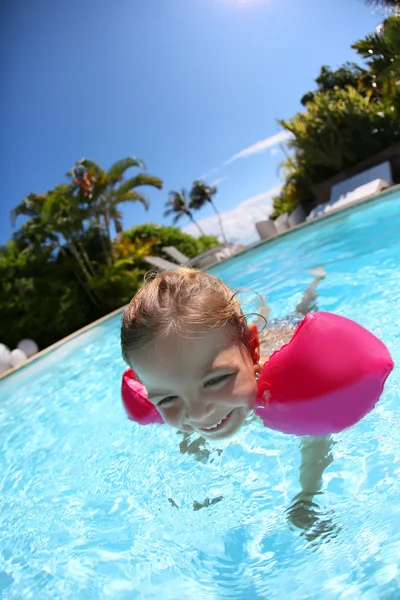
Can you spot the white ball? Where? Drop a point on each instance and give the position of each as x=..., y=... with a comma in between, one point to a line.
x=4, y=368
x=4, y=355
x=17, y=357
x=29, y=347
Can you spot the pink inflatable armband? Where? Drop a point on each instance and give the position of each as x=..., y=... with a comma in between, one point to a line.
x=134, y=398
x=328, y=377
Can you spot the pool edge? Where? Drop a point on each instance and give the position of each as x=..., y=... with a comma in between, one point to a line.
x=347, y=207
x=54, y=346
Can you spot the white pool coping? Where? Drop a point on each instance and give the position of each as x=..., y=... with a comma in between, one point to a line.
x=342, y=209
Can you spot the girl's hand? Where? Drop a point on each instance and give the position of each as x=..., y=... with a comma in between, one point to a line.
x=306, y=515
x=303, y=512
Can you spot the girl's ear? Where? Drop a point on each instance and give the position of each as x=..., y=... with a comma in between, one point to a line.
x=254, y=343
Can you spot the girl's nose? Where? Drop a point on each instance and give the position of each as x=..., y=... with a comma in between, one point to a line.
x=197, y=410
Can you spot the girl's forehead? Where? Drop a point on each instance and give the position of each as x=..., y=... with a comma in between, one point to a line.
x=193, y=344
x=177, y=356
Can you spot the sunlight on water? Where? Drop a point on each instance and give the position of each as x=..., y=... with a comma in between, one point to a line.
x=95, y=507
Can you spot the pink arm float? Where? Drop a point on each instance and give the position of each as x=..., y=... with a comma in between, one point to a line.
x=327, y=378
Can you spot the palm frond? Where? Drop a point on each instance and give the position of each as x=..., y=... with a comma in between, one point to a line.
x=132, y=196
x=87, y=163
x=177, y=217
x=201, y=194
x=30, y=206
x=140, y=179
x=117, y=170
x=178, y=201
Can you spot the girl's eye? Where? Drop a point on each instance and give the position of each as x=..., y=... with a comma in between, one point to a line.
x=216, y=380
x=166, y=401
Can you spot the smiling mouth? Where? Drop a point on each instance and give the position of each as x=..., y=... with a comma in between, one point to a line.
x=217, y=426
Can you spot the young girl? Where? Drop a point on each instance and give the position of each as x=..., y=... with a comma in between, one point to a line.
x=185, y=336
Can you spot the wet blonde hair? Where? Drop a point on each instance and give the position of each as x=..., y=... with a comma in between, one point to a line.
x=184, y=301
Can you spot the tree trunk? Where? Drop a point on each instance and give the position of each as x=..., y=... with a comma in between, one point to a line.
x=74, y=251
x=197, y=225
x=85, y=257
x=220, y=223
x=83, y=284
x=99, y=297
x=104, y=245
x=109, y=250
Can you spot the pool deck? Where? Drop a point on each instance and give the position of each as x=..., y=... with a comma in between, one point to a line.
x=343, y=209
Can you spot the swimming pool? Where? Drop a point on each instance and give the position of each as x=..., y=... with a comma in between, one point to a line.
x=95, y=507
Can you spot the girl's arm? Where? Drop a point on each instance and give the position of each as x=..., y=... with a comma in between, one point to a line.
x=316, y=456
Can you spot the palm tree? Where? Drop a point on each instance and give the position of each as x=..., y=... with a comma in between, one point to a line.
x=382, y=51
x=178, y=205
x=200, y=195
x=105, y=191
x=65, y=214
x=56, y=218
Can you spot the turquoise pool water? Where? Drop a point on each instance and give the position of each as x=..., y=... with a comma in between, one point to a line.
x=95, y=507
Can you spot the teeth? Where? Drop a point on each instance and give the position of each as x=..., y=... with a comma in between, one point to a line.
x=214, y=426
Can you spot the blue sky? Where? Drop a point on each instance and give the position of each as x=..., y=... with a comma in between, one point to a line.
x=193, y=87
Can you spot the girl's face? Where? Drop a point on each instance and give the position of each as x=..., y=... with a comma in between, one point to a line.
x=206, y=384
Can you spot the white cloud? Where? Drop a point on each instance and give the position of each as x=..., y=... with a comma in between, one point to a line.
x=261, y=146
x=217, y=181
x=239, y=223
x=207, y=175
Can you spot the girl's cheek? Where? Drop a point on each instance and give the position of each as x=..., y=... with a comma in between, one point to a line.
x=245, y=392
x=173, y=417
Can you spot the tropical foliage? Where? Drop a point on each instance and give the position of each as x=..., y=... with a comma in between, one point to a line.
x=78, y=215
x=158, y=236
x=39, y=296
x=64, y=268
x=202, y=194
x=178, y=206
x=182, y=204
x=349, y=74
x=352, y=115
x=382, y=52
